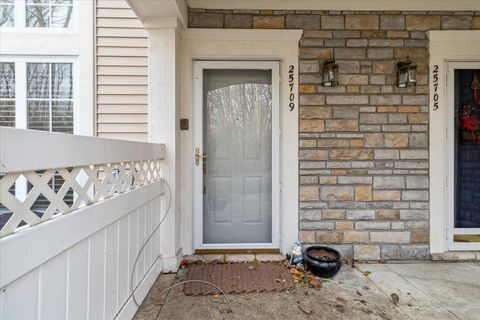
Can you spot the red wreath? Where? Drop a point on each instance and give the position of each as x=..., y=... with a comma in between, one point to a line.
x=470, y=115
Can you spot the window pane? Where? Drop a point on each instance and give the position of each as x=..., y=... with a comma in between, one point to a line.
x=62, y=116
x=7, y=80
x=37, y=80
x=61, y=80
x=6, y=15
x=38, y=1
x=61, y=16
x=62, y=2
x=38, y=115
x=7, y=113
x=38, y=16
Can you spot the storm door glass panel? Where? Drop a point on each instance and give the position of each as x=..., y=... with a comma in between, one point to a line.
x=467, y=154
x=237, y=140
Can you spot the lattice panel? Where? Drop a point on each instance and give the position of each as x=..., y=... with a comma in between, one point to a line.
x=89, y=184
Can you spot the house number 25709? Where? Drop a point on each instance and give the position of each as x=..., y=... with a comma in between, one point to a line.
x=435, y=87
x=291, y=97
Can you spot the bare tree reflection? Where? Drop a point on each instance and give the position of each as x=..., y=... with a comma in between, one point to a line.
x=44, y=13
x=6, y=13
x=240, y=110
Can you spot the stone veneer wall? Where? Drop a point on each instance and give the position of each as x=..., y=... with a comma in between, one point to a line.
x=364, y=143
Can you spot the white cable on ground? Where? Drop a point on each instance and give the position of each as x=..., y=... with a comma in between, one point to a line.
x=145, y=244
x=148, y=239
x=230, y=309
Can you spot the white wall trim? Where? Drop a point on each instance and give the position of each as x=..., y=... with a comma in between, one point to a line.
x=162, y=23
x=458, y=5
x=445, y=47
x=150, y=10
x=229, y=44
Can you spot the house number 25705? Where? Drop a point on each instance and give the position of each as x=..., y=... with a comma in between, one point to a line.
x=291, y=83
x=435, y=87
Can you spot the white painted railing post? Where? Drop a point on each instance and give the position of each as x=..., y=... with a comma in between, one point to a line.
x=163, y=124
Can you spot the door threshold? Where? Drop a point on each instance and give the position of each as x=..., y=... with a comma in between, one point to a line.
x=237, y=251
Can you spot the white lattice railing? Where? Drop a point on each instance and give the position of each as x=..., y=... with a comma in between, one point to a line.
x=88, y=169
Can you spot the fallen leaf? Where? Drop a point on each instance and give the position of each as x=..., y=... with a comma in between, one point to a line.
x=395, y=298
x=381, y=261
x=251, y=268
x=294, y=271
x=366, y=273
x=315, y=283
x=359, y=293
x=216, y=295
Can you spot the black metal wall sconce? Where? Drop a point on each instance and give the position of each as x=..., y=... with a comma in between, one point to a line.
x=406, y=74
x=329, y=73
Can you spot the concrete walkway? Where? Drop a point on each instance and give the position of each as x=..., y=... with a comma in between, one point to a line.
x=425, y=290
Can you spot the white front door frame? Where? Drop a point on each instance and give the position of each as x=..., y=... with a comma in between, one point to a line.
x=249, y=45
x=198, y=131
x=445, y=47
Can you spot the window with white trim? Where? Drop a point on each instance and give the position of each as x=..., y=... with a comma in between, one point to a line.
x=37, y=96
x=36, y=13
x=47, y=94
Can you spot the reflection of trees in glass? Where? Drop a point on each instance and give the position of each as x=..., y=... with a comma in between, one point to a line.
x=7, y=80
x=48, y=13
x=241, y=106
x=50, y=97
x=7, y=13
x=7, y=94
x=240, y=112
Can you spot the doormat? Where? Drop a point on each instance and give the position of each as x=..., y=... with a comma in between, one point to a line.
x=238, y=278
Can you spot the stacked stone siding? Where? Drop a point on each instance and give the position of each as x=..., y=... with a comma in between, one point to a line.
x=364, y=161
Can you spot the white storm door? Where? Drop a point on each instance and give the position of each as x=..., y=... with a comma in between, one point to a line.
x=463, y=155
x=236, y=154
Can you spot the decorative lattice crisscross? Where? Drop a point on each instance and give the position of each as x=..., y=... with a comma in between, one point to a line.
x=80, y=186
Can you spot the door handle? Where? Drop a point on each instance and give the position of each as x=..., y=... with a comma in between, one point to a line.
x=198, y=156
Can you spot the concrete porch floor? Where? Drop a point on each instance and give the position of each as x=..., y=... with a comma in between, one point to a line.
x=426, y=290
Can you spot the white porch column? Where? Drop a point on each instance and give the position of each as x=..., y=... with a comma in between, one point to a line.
x=163, y=124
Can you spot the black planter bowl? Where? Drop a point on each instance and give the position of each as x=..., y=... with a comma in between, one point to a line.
x=324, y=266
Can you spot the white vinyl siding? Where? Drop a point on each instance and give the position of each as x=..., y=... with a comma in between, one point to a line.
x=121, y=69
